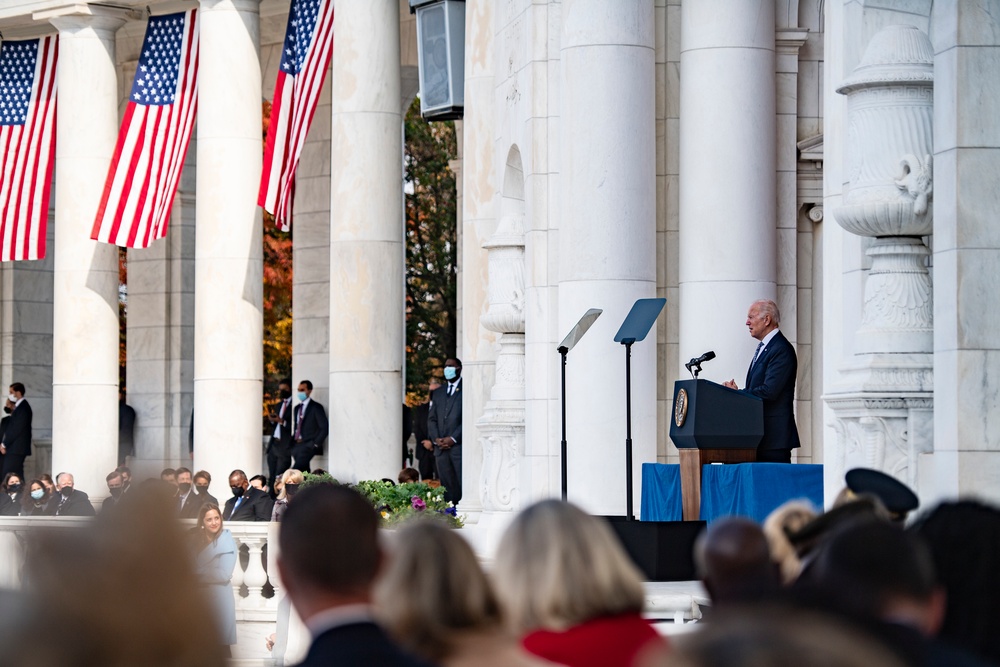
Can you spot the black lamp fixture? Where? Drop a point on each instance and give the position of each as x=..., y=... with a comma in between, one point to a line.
x=441, y=57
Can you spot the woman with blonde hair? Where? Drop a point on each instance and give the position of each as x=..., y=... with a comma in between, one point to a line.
x=571, y=590
x=787, y=520
x=289, y=484
x=437, y=603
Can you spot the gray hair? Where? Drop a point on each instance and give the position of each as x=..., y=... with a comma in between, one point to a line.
x=768, y=307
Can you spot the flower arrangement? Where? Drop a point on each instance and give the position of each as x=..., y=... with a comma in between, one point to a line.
x=401, y=502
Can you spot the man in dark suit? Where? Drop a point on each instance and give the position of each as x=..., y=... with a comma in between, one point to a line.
x=67, y=501
x=444, y=425
x=771, y=378
x=16, y=443
x=279, y=447
x=425, y=446
x=247, y=503
x=116, y=490
x=188, y=501
x=126, y=429
x=310, y=428
x=329, y=559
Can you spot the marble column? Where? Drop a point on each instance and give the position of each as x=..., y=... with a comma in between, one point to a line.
x=228, y=323
x=366, y=244
x=607, y=238
x=728, y=235
x=85, y=293
x=479, y=191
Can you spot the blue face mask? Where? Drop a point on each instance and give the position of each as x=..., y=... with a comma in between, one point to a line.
x=449, y=373
x=37, y=494
x=302, y=396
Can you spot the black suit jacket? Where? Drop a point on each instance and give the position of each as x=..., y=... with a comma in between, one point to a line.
x=256, y=506
x=315, y=426
x=283, y=444
x=357, y=645
x=17, y=435
x=772, y=379
x=445, y=415
x=9, y=507
x=77, y=504
x=420, y=432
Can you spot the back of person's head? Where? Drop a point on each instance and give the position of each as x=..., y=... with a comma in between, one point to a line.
x=408, y=475
x=783, y=521
x=329, y=540
x=433, y=589
x=766, y=637
x=881, y=571
x=557, y=567
x=734, y=562
x=964, y=541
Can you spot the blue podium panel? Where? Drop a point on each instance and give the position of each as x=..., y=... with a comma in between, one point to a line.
x=751, y=490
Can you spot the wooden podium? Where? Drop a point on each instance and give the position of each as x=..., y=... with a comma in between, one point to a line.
x=712, y=424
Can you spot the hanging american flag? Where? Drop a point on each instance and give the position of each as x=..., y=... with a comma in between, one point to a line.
x=304, y=60
x=154, y=135
x=27, y=144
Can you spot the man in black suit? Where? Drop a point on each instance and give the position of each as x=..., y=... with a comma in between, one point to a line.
x=425, y=446
x=188, y=502
x=126, y=429
x=279, y=447
x=16, y=443
x=247, y=503
x=444, y=425
x=771, y=378
x=116, y=490
x=329, y=559
x=310, y=428
x=67, y=501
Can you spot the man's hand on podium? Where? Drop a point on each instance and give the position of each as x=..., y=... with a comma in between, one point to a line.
x=731, y=384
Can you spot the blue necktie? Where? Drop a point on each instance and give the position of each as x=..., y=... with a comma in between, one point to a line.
x=757, y=353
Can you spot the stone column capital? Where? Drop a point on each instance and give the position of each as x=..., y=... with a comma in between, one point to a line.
x=230, y=5
x=77, y=17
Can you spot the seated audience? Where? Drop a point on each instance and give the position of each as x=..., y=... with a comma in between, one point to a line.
x=247, y=503
x=116, y=489
x=126, y=477
x=964, y=542
x=735, y=564
x=782, y=522
x=408, y=475
x=68, y=501
x=202, y=480
x=435, y=600
x=570, y=590
x=169, y=475
x=187, y=500
x=288, y=484
x=328, y=562
x=259, y=482
x=11, y=494
x=49, y=483
x=897, y=498
x=35, y=500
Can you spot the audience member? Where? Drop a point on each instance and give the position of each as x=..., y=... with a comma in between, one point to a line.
x=444, y=425
x=808, y=539
x=68, y=501
x=964, y=542
x=169, y=475
x=247, y=503
x=215, y=560
x=126, y=477
x=735, y=564
x=408, y=476
x=310, y=430
x=50, y=484
x=289, y=487
x=435, y=600
x=566, y=582
x=328, y=562
x=188, y=501
x=116, y=487
x=897, y=498
x=279, y=446
x=202, y=480
x=425, y=447
x=11, y=494
x=259, y=482
x=35, y=500
x=785, y=520
x=16, y=443
x=126, y=429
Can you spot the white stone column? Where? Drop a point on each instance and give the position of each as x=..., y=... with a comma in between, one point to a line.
x=366, y=244
x=607, y=239
x=228, y=324
x=85, y=294
x=728, y=235
x=478, y=201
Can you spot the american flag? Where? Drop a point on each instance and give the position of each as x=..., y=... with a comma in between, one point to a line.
x=27, y=142
x=154, y=135
x=304, y=60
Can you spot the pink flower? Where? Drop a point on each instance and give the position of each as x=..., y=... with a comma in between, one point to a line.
x=418, y=504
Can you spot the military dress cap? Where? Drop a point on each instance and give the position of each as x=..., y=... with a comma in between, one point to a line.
x=897, y=497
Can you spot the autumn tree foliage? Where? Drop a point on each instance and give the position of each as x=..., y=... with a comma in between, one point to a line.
x=431, y=249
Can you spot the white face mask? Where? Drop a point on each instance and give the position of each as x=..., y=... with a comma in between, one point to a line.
x=12, y=398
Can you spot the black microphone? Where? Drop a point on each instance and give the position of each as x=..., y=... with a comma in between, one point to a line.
x=708, y=356
x=697, y=361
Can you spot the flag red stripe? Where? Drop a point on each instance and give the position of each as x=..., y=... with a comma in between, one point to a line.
x=37, y=138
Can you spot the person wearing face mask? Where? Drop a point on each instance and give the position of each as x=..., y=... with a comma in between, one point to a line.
x=16, y=443
x=188, y=501
x=279, y=447
x=309, y=428
x=11, y=492
x=247, y=503
x=289, y=485
x=202, y=480
x=34, y=499
x=116, y=489
x=68, y=501
x=444, y=425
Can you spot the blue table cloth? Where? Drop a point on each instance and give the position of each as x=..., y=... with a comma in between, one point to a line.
x=751, y=490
